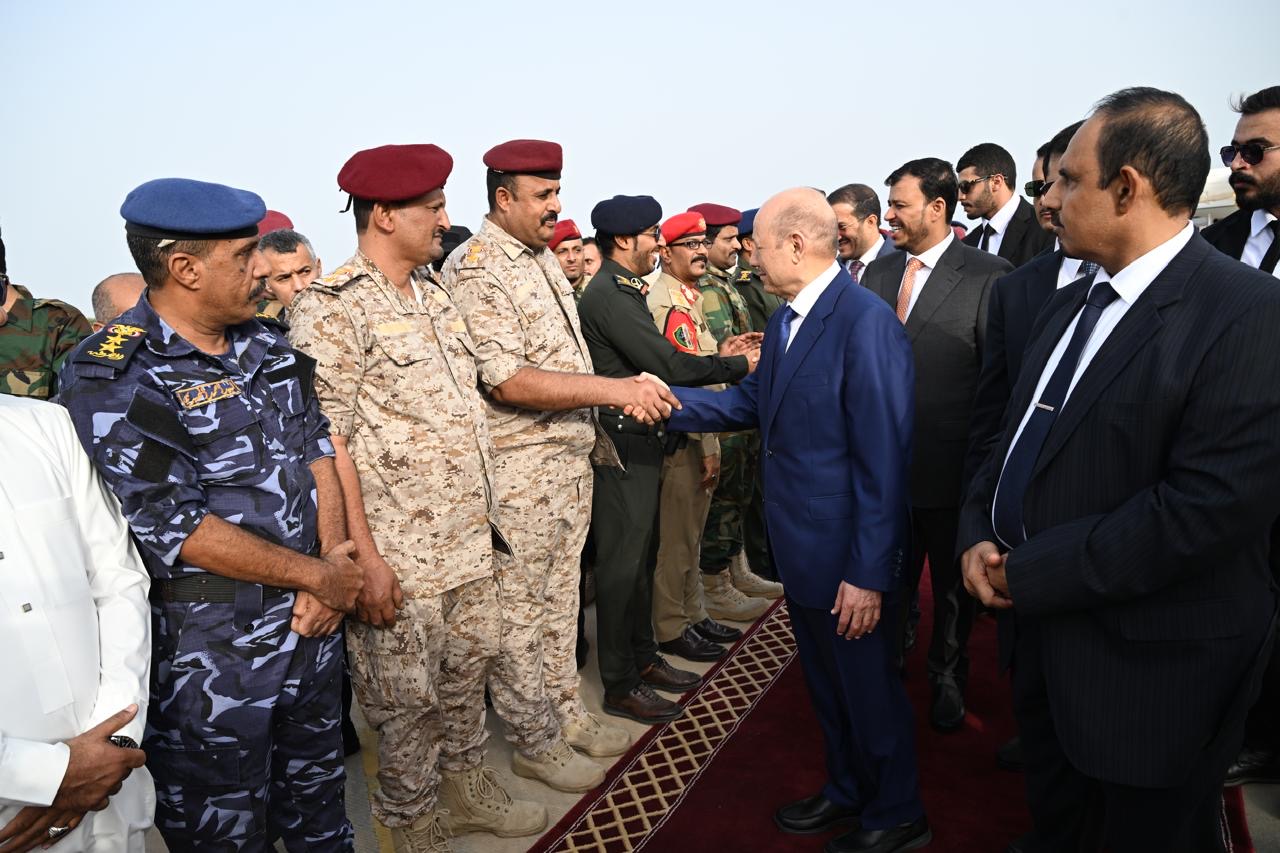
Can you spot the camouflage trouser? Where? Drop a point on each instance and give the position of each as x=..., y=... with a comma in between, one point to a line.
x=421, y=687
x=534, y=683
x=244, y=733
x=682, y=512
x=722, y=536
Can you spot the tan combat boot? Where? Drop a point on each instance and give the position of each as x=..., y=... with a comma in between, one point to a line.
x=587, y=734
x=561, y=768
x=751, y=584
x=425, y=835
x=476, y=802
x=723, y=600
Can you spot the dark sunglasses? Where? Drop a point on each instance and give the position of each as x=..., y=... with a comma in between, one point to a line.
x=1034, y=189
x=1251, y=152
x=965, y=186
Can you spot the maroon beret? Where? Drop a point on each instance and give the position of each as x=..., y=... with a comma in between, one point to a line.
x=273, y=221
x=395, y=172
x=566, y=229
x=717, y=215
x=526, y=157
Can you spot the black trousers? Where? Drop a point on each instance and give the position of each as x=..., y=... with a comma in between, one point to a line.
x=1074, y=813
x=933, y=535
x=624, y=510
x=1262, y=731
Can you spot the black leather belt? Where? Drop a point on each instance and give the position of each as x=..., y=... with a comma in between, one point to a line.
x=207, y=588
x=625, y=424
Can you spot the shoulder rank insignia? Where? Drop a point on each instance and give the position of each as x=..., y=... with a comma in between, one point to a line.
x=634, y=283
x=209, y=392
x=744, y=276
x=275, y=321
x=112, y=346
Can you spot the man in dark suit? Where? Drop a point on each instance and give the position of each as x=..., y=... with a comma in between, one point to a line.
x=1250, y=235
x=857, y=209
x=1132, y=494
x=1007, y=225
x=833, y=400
x=939, y=288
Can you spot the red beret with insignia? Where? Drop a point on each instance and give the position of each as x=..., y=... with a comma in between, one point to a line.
x=565, y=230
x=526, y=157
x=273, y=221
x=395, y=172
x=682, y=225
x=718, y=215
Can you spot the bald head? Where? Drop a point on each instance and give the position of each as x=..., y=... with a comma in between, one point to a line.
x=796, y=238
x=115, y=295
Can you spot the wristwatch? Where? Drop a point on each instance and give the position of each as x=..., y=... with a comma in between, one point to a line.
x=123, y=742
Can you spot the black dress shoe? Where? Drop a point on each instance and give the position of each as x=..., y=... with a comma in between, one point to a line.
x=910, y=836
x=1010, y=757
x=691, y=645
x=1253, y=766
x=717, y=633
x=946, y=714
x=664, y=676
x=813, y=815
x=643, y=706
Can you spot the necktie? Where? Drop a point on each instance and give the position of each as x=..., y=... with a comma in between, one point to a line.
x=788, y=314
x=1016, y=476
x=987, y=231
x=1273, y=254
x=1087, y=268
x=855, y=269
x=914, y=265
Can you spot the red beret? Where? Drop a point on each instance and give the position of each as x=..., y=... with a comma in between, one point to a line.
x=526, y=157
x=565, y=230
x=273, y=221
x=717, y=215
x=682, y=225
x=395, y=172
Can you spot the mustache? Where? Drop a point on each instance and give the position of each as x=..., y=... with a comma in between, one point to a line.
x=697, y=258
x=550, y=219
x=258, y=289
x=1055, y=219
x=1240, y=178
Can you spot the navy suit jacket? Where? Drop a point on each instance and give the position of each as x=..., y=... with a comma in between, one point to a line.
x=835, y=417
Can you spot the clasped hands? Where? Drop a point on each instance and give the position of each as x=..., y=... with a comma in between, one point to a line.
x=747, y=344
x=983, y=567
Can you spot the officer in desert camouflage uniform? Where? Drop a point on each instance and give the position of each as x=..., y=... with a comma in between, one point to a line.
x=692, y=465
x=731, y=590
x=36, y=336
x=536, y=371
x=204, y=424
x=396, y=376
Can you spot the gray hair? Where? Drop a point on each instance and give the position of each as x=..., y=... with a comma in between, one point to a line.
x=811, y=218
x=285, y=241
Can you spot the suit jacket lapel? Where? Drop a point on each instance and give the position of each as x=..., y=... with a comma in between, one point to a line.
x=1011, y=242
x=887, y=284
x=942, y=280
x=806, y=337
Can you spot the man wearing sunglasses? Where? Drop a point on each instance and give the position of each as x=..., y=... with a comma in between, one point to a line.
x=1252, y=235
x=1008, y=227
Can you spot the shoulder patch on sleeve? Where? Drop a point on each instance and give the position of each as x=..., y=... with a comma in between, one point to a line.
x=113, y=346
x=744, y=276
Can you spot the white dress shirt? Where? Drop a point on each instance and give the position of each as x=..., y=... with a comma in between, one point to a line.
x=807, y=298
x=1069, y=269
x=872, y=253
x=1130, y=283
x=1000, y=223
x=929, y=258
x=1260, y=239
x=75, y=624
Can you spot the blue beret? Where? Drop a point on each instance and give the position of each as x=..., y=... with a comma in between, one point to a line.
x=626, y=214
x=748, y=221
x=182, y=209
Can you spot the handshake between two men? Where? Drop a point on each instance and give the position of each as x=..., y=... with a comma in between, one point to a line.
x=649, y=399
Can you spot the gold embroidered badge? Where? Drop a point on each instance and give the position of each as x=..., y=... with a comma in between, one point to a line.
x=209, y=392
x=117, y=334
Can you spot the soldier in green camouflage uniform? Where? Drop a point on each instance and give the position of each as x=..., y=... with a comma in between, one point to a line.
x=727, y=314
x=36, y=336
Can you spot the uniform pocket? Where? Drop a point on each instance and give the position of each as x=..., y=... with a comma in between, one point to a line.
x=831, y=507
x=196, y=767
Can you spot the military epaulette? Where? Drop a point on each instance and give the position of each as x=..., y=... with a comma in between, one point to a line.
x=475, y=249
x=634, y=283
x=275, y=321
x=113, y=346
x=338, y=279
x=744, y=276
x=56, y=303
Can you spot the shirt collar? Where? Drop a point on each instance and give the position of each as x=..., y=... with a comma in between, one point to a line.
x=1133, y=280
x=1001, y=220
x=871, y=254
x=930, y=257
x=1260, y=220
x=808, y=296
x=510, y=246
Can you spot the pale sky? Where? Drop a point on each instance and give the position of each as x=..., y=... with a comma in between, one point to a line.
x=688, y=102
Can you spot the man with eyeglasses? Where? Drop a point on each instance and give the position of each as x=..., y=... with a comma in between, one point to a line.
x=1008, y=226
x=1252, y=236
x=624, y=342
x=857, y=209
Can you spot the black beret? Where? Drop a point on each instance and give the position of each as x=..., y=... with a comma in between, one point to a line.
x=626, y=214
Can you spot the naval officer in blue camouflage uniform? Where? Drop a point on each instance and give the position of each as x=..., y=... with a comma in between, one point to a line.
x=203, y=421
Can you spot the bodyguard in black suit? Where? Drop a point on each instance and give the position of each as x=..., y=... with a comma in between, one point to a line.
x=1252, y=236
x=1134, y=489
x=1008, y=226
x=939, y=288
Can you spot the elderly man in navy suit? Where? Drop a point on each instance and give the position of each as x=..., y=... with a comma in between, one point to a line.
x=833, y=399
